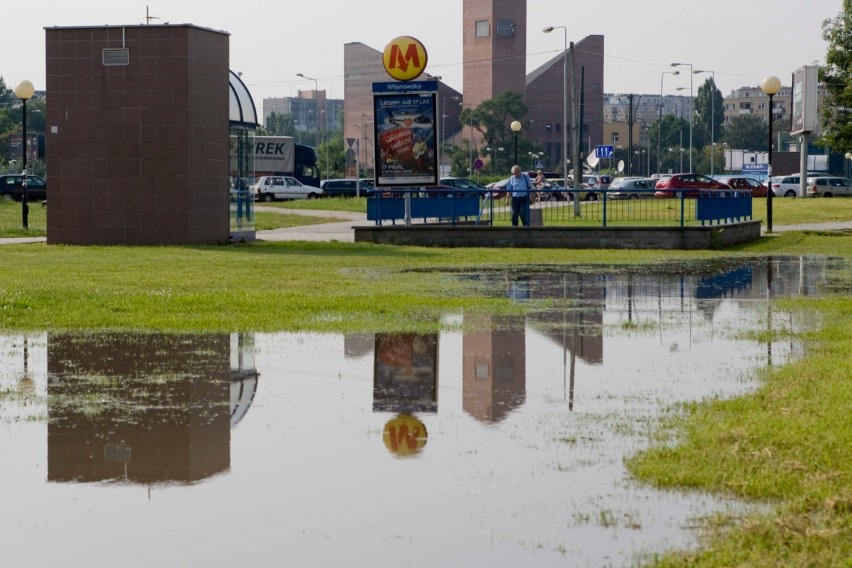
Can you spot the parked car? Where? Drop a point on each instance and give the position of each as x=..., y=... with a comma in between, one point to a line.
x=597, y=181
x=585, y=191
x=631, y=188
x=691, y=185
x=270, y=188
x=786, y=186
x=464, y=183
x=497, y=189
x=12, y=187
x=829, y=186
x=756, y=188
x=346, y=187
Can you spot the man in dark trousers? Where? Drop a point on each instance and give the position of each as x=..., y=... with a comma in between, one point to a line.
x=519, y=187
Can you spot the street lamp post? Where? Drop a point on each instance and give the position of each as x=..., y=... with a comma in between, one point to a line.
x=712, y=114
x=516, y=127
x=660, y=124
x=770, y=85
x=691, y=108
x=24, y=90
x=316, y=102
x=442, y=137
x=547, y=30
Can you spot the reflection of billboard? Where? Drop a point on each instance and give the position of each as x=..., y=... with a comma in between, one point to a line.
x=804, y=100
x=406, y=373
x=406, y=145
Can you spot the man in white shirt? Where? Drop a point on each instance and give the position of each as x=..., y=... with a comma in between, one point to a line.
x=519, y=187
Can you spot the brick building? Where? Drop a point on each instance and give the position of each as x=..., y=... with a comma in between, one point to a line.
x=494, y=57
x=137, y=135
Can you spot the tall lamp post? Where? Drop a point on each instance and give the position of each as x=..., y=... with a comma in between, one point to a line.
x=547, y=30
x=24, y=90
x=712, y=115
x=516, y=127
x=660, y=124
x=443, y=137
x=316, y=101
x=770, y=85
x=691, y=108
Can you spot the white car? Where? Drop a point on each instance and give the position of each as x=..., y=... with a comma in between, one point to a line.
x=270, y=188
x=786, y=186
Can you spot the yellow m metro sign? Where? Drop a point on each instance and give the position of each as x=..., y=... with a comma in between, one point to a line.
x=405, y=58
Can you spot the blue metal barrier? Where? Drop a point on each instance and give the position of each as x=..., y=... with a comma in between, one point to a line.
x=723, y=206
x=453, y=206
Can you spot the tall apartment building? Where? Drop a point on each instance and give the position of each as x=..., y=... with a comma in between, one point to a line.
x=312, y=112
x=751, y=100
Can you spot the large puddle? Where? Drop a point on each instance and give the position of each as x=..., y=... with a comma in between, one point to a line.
x=498, y=445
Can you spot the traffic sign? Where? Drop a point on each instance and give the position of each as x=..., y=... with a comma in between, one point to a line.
x=603, y=151
x=538, y=165
x=478, y=164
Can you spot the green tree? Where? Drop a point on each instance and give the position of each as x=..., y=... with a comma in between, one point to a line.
x=836, y=75
x=709, y=114
x=747, y=132
x=279, y=124
x=492, y=119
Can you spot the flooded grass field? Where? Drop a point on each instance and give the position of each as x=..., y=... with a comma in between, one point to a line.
x=498, y=442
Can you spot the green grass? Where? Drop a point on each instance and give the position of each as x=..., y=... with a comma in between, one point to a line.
x=264, y=221
x=11, y=223
x=352, y=204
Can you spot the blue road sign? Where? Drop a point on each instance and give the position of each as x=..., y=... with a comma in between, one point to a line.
x=538, y=165
x=603, y=151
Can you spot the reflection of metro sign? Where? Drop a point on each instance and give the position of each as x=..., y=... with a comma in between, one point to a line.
x=603, y=151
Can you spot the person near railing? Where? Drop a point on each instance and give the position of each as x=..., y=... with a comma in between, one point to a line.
x=520, y=187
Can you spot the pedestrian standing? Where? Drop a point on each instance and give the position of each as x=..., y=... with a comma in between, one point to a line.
x=519, y=187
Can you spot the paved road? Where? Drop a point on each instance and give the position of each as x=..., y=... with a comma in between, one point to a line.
x=342, y=231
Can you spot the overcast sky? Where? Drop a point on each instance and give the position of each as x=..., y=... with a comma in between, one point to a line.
x=740, y=40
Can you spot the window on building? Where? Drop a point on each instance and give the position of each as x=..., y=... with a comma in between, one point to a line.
x=745, y=106
x=482, y=28
x=506, y=28
x=614, y=138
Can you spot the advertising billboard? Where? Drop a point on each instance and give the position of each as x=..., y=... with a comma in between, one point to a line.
x=406, y=143
x=804, y=100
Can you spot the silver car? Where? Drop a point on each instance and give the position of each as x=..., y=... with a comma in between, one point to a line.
x=829, y=186
x=631, y=188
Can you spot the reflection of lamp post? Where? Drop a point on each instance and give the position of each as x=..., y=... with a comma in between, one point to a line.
x=316, y=101
x=24, y=90
x=660, y=124
x=516, y=127
x=712, y=115
x=691, y=109
x=770, y=86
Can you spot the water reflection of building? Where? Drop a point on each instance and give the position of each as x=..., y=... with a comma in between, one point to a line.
x=145, y=408
x=493, y=366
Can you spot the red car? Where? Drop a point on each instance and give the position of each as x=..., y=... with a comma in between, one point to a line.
x=691, y=185
x=756, y=188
